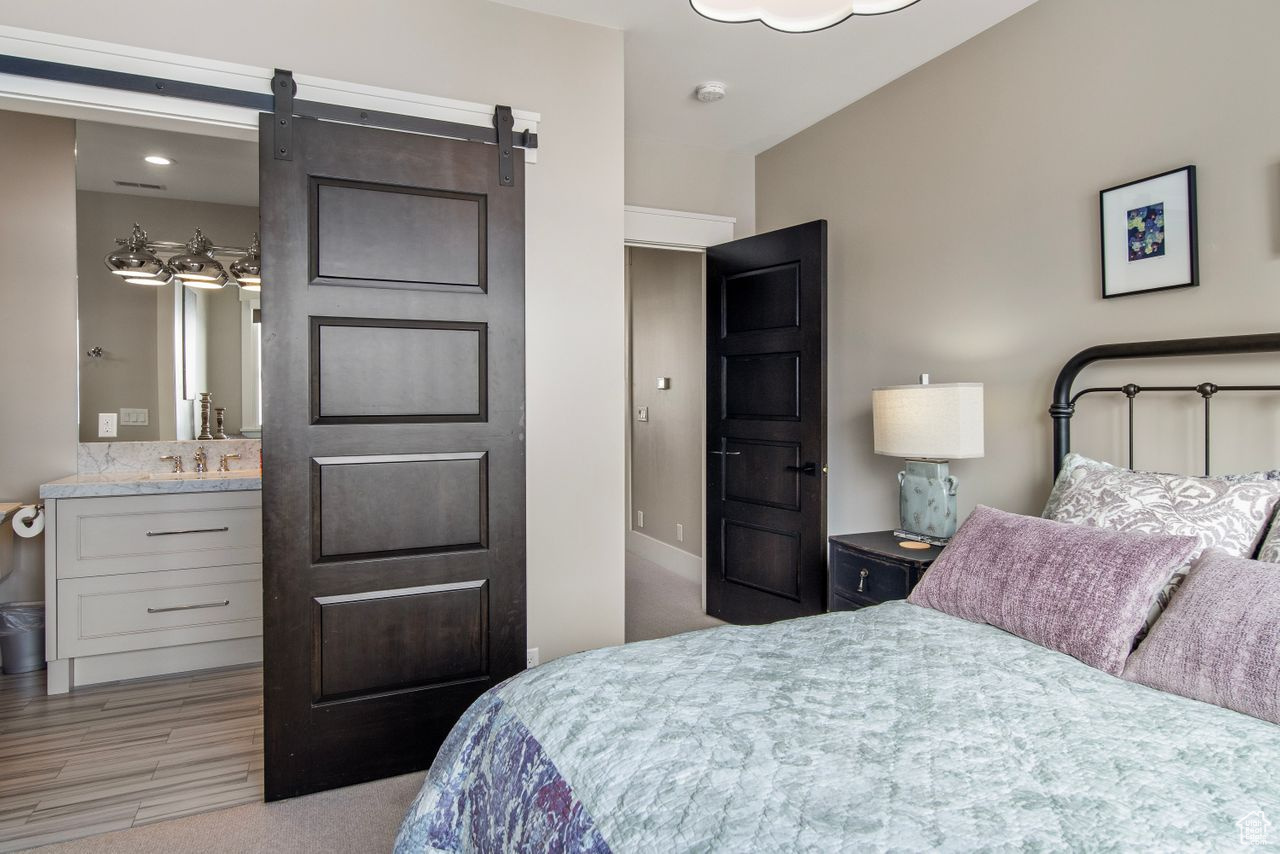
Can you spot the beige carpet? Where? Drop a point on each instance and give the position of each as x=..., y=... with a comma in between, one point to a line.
x=661, y=603
x=356, y=819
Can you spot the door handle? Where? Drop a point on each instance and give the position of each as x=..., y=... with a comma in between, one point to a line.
x=224, y=603
x=728, y=453
x=807, y=468
x=221, y=530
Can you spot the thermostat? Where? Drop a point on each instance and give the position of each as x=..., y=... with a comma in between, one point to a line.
x=664, y=382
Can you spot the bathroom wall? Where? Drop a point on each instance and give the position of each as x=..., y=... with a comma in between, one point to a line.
x=128, y=321
x=37, y=322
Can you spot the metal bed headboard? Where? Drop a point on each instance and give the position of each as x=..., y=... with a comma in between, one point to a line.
x=1064, y=402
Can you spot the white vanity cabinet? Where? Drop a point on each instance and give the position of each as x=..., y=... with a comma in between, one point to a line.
x=143, y=585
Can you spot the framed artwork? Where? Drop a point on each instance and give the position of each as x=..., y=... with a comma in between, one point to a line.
x=1149, y=234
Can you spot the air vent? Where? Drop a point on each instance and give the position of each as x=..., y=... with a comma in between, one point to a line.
x=139, y=185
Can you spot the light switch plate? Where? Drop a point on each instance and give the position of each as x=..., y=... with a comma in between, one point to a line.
x=108, y=425
x=134, y=417
x=642, y=413
x=664, y=382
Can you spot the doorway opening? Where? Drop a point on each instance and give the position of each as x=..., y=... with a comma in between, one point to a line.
x=666, y=460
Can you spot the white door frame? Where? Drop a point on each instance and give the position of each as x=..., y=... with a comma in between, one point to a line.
x=680, y=231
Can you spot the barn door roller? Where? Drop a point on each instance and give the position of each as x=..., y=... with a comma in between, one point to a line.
x=502, y=134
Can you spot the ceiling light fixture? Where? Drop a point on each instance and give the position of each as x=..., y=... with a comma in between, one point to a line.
x=195, y=266
x=794, y=16
x=158, y=160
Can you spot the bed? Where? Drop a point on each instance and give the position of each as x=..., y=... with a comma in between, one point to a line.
x=893, y=728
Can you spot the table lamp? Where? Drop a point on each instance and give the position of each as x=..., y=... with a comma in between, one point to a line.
x=928, y=425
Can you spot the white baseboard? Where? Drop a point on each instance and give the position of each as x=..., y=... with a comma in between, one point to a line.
x=112, y=667
x=668, y=557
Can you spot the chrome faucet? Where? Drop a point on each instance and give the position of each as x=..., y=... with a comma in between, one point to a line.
x=202, y=459
x=176, y=460
x=224, y=461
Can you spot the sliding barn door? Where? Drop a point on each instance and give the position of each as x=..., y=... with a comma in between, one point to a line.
x=393, y=437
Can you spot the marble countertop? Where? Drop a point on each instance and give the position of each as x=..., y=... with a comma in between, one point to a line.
x=142, y=483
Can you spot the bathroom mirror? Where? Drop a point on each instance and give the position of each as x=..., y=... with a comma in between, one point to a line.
x=151, y=342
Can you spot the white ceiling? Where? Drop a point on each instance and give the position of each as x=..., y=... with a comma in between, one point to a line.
x=779, y=83
x=205, y=168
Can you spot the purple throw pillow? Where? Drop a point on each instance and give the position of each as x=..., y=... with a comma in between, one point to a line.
x=1075, y=589
x=1219, y=638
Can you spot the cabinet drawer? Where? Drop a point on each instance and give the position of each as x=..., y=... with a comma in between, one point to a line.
x=127, y=534
x=868, y=580
x=152, y=609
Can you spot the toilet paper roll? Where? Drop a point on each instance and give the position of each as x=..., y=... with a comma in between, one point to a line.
x=28, y=522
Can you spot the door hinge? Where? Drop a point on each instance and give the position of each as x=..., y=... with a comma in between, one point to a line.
x=283, y=88
x=503, y=122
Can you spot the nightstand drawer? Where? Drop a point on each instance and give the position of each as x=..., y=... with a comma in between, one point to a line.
x=865, y=579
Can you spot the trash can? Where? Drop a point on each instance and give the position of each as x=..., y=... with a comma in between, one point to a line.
x=21, y=636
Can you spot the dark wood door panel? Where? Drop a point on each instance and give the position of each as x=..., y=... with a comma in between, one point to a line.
x=758, y=300
x=441, y=237
x=393, y=489
x=427, y=636
x=766, y=425
x=762, y=472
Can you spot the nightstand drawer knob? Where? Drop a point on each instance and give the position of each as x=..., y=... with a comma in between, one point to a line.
x=862, y=580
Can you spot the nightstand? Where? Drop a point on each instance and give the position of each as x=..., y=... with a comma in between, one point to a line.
x=867, y=569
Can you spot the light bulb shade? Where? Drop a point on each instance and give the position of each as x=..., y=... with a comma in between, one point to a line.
x=152, y=281
x=206, y=284
x=197, y=264
x=794, y=16
x=247, y=269
x=928, y=422
x=132, y=258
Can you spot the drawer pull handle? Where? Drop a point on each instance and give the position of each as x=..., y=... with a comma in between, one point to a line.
x=191, y=531
x=224, y=603
x=862, y=580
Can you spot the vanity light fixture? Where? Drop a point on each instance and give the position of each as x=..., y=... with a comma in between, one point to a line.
x=158, y=160
x=248, y=268
x=197, y=267
x=794, y=16
x=135, y=260
x=133, y=257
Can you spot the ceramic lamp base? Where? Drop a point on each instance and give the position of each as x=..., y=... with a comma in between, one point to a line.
x=928, y=500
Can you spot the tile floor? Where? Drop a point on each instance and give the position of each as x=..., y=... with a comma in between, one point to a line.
x=121, y=755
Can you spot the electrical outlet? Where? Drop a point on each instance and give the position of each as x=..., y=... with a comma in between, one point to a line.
x=679, y=533
x=531, y=657
x=108, y=425
x=639, y=518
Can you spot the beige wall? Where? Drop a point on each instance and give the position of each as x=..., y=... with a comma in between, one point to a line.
x=572, y=74
x=672, y=176
x=964, y=224
x=667, y=340
x=37, y=322
x=123, y=319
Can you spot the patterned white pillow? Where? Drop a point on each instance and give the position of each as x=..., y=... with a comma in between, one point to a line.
x=1230, y=513
x=1221, y=513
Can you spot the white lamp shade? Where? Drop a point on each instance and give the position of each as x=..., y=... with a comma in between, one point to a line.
x=929, y=422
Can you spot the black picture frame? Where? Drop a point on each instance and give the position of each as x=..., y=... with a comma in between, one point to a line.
x=1189, y=229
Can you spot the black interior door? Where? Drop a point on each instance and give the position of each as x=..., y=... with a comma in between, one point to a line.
x=767, y=425
x=393, y=489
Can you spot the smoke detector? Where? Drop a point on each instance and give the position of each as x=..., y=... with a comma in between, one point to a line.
x=710, y=92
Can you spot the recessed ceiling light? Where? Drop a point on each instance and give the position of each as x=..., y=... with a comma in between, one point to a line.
x=158, y=160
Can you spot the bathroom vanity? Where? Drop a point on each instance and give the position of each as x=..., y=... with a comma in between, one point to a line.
x=149, y=573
